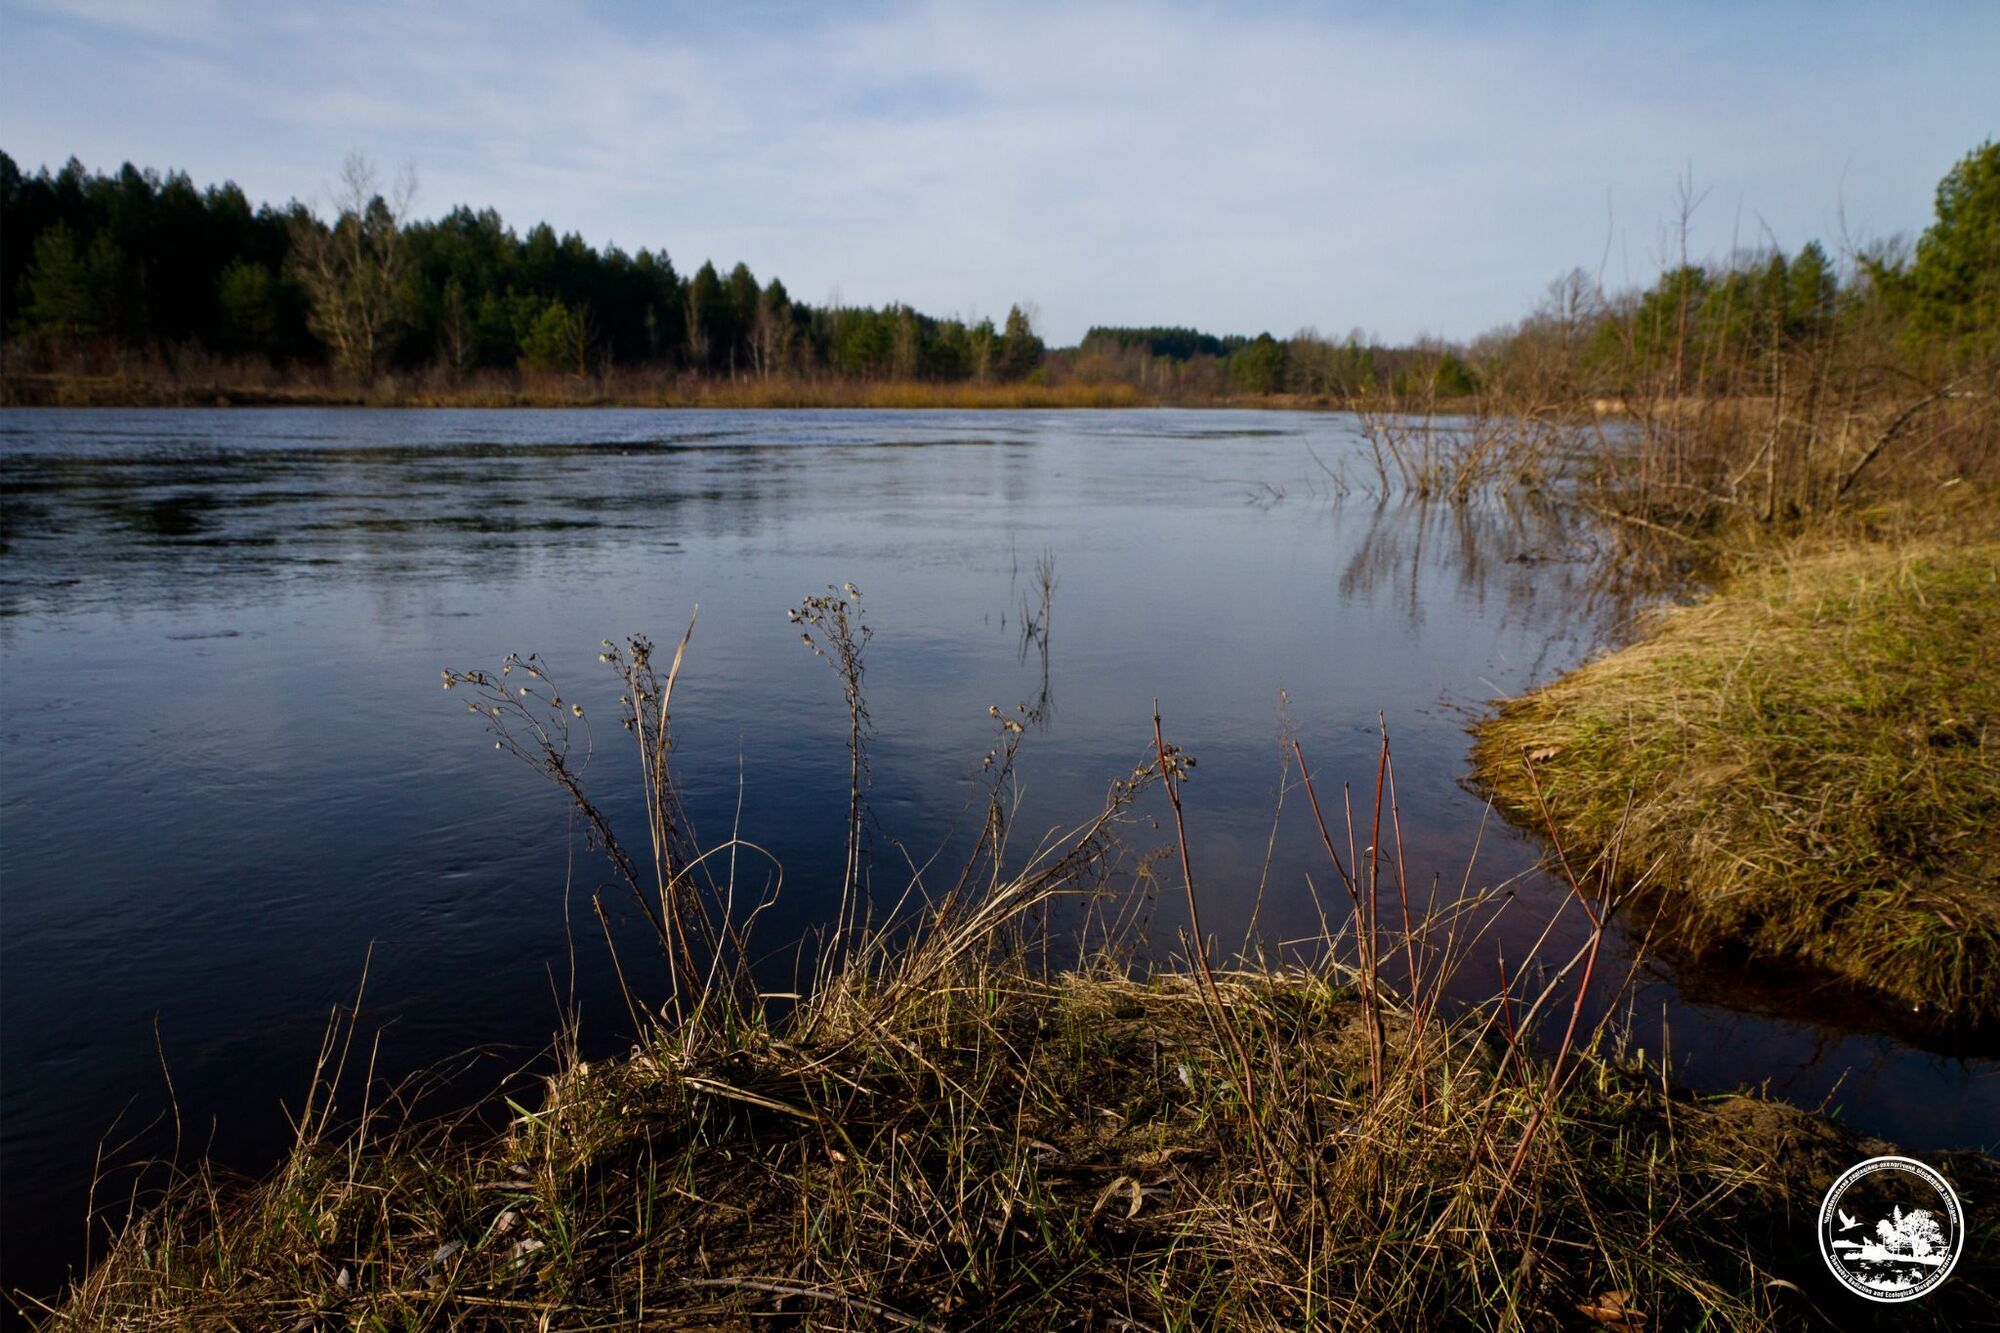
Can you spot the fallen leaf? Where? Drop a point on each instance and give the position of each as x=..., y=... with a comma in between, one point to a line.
x=1128, y=1183
x=1613, y=1309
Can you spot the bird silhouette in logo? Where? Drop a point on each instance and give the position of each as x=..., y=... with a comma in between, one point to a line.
x=1847, y=1223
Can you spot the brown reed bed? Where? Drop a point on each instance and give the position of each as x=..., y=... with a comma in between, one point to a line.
x=260, y=387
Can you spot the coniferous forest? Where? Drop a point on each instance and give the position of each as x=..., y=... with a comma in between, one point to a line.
x=145, y=260
x=145, y=276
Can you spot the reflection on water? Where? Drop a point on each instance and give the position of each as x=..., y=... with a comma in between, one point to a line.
x=230, y=771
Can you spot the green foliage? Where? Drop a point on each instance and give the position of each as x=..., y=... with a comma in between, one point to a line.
x=555, y=342
x=1811, y=291
x=153, y=262
x=1175, y=344
x=1703, y=329
x=862, y=341
x=1258, y=367
x=1667, y=313
x=136, y=259
x=1453, y=377
x=1020, y=347
x=1769, y=324
x=494, y=329
x=1434, y=372
x=151, y=250
x=982, y=342
x=1316, y=366
x=62, y=295
x=1955, y=281
x=740, y=294
x=772, y=331
x=247, y=295
x=707, y=318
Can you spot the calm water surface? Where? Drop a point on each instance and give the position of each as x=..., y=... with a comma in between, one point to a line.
x=229, y=771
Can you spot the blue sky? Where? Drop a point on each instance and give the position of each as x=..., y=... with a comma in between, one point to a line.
x=1397, y=168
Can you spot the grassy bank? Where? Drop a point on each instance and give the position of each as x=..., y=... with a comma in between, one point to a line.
x=1803, y=766
x=986, y=1147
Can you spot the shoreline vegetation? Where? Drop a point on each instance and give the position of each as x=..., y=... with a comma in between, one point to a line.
x=947, y=1128
x=1003, y=1148
x=1803, y=766
x=670, y=392
x=957, y=1125
x=665, y=392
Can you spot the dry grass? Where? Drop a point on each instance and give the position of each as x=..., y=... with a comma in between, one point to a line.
x=915, y=394
x=1808, y=758
x=992, y=1148
x=528, y=389
x=949, y=1132
x=1804, y=764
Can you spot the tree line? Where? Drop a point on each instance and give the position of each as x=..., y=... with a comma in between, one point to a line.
x=138, y=260
x=1768, y=322
x=1191, y=363
x=1761, y=322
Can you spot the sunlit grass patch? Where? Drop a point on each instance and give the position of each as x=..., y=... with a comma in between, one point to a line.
x=1809, y=761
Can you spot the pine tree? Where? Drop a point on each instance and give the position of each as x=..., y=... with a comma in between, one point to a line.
x=1955, y=279
x=61, y=296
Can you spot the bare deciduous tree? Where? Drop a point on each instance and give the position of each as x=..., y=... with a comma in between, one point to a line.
x=457, y=349
x=352, y=267
x=771, y=329
x=697, y=328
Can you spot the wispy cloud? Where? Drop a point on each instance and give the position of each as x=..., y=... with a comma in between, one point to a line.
x=1397, y=169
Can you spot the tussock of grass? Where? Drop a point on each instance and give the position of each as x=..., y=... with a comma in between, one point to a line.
x=998, y=1150
x=1806, y=763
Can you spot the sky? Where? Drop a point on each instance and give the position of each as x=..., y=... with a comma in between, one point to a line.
x=1398, y=168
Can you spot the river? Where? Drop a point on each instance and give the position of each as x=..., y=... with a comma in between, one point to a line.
x=231, y=778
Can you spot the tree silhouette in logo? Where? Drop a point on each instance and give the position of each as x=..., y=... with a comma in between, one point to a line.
x=1915, y=1233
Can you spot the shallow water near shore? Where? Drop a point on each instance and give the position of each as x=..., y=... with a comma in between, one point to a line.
x=232, y=778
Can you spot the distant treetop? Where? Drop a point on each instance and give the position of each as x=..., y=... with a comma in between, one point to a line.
x=1176, y=344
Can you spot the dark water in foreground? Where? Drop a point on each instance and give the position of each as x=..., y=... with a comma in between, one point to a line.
x=229, y=768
